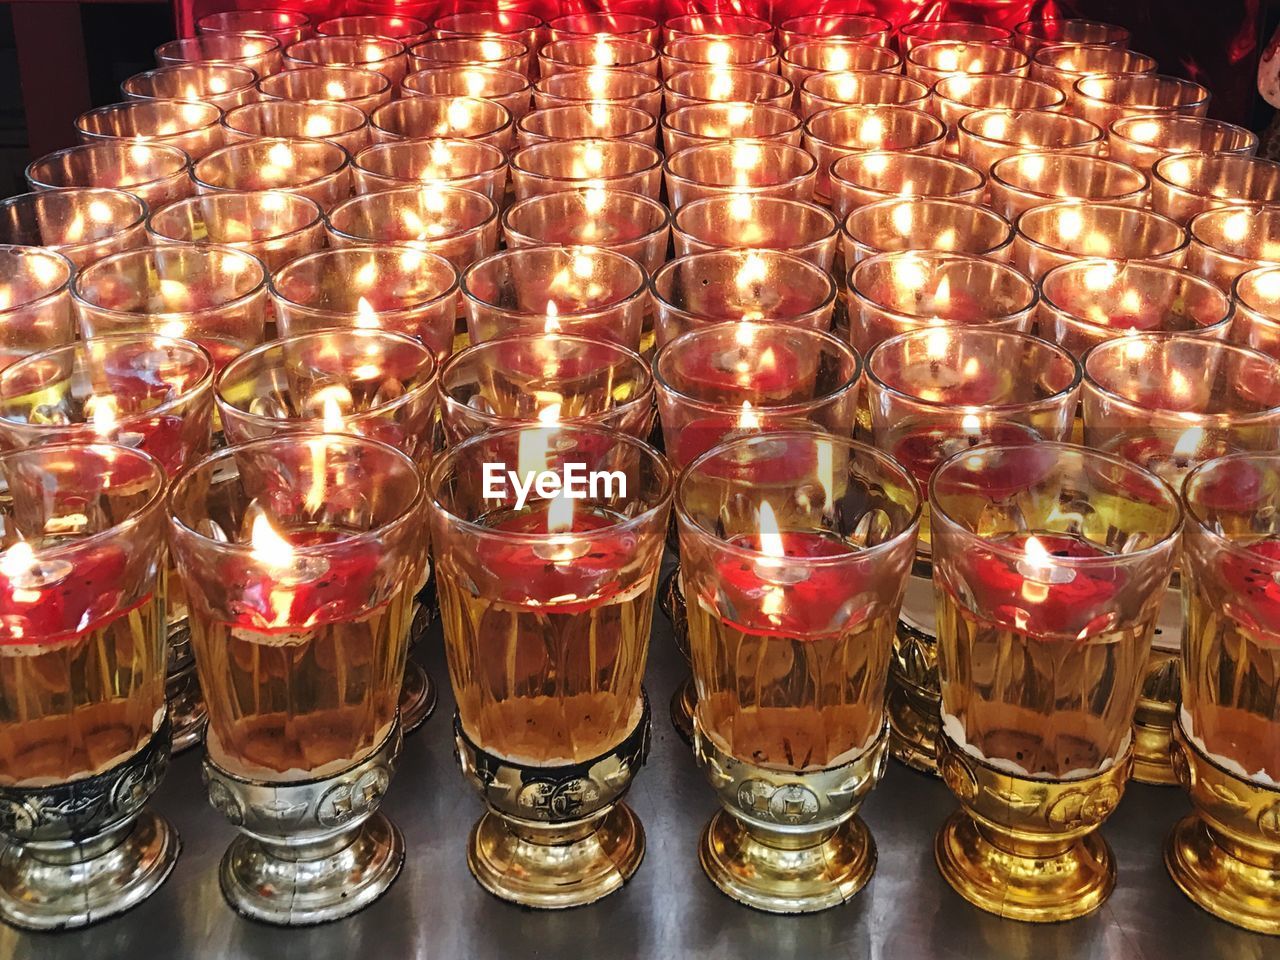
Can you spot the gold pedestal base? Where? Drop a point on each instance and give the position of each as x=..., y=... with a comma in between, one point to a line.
x=537, y=872
x=914, y=702
x=913, y=735
x=417, y=697
x=683, y=702
x=1027, y=849
x=1154, y=719
x=784, y=879
x=1226, y=855
x=685, y=699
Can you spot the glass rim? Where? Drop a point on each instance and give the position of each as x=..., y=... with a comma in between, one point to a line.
x=419, y=391
x=513, y=253
x=897, y=156
x=670, y=117
x=938, y=514
x=383, y=82
x=879, y=457
x=928, y=48
x=41, y=253
x=471, y=351
x=208, y=464
x=203, y=250
x=986, y=333
x=518, y=48
x=1196, y=225
x=532, y=21
x=941, y=88
x=613, y=97
x=520, y=206
x=782, y=86
x=828, y=76
x=133, y=106
x=621, y=23
x=153, y=504
x=808, y=206
x=1068, y=158
x=912, y=28
x=792, y=24
x=181, y=44
x=997, y=267
x=524, y=84
x=1065, y=48
x=442, y=464
x=939, y=128
x=1193, y=512
x=79, y=348
x=1210, y=159
x=259, y=143
x=787, y=259
x=1026, y=28
x=389, y=46
x=358, y=160
x=850, y=383
x=417, y=190
x=1118, y=78
x=171, y=68
x=137, y=205
x=1016, y=114
x=292, y=17
x=216, y=197
x=1256, y=310
x=745, y=19
x=389, y=248
x=1095, y=207
x=174, y=152
x=546, y=53
x=1140, y=266
x=684, y=155
x=412, y=22
x=359, y=118
x=648, y=126
x=978, y=211
x=894, y=60
x=376, y=122
x=1192, y=417
x=653, y=164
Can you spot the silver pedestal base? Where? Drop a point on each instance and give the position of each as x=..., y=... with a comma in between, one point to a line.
x=187, y=715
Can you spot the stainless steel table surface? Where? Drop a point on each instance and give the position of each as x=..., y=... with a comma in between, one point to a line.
x=670, y=910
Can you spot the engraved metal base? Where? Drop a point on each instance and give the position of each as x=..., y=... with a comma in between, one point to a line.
x=555, y=837
x=683, y=703
x=417, y=696
x=1158, y=705
x=1226, y=855
x=81, y=852
x=187, y=715
x=685, y=699
x=1027, y=849
x=789, y=842
x=312, y=851
x=914, y=702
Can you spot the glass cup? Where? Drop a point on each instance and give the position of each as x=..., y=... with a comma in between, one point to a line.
x=155, y=173
x=1229, y=241
x=504, y=87
x=581, y=53
x=954, y=98
x=459, y=225
x=586, y=291
x=713, y=122
x=83, y=224
x=716, y=286
x=339, y=123
x=1223, y=854
x=727, y=85
x=316, y=169
x=557, y=165
x=825, y=26
x=715, y=24
x=1049, y=565
x=710, y=51
x=1142, y=140
x=487, y=24
x=260, y=53
x=577, y=121
x=928, y=63
x=211, y=294
x=561, y=592
x=504, y=53
x=834, y=54
x=925, y=223
x=795, y=551
x=144, y=391
x=464, y=164
x=842, y=131
x=618, y=87
x=1026, y=180
x=735, y=220
x=287, y=26
x=823, y=91
x=880, y=174
x=408, y=30
x=987, y=136
x=189, y=125
x=300, y=555
x=459, y=117
x=274, y=226
x=1087, y=301
x=911, y=35
x=545, y=379
x=82, y=684
x=359, y=88
x=1256, y=295
x=220, y=84
x=629, y=26
x=1069, y=230
x=633, y=225
x=739, y=168
x=1062, y=64
x=35, y=301
x=934, y=393
x=389, y=286
x=1187, y=184
x=1031, y=35
x=380, y=54
x=1107, y=97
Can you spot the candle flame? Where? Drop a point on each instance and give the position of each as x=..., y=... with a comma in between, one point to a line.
x=748, y=419
x=549, y=415
x=871, y=130
x=719, y=53
x=942, y=296
x=1036, y=570
x=17, y=561
x=1070, y=223
x=601, y=54
x=769, y=538
x=594, y=200
x=279, y=155
x=903, y=218
x=533, y=451
x=318, y=127
x=552, y=323
x=1146, y=131
x=560, y=514
x=838, y=59
x=1100, y=276
x=826, y=473
x=366, y=316
x=1189, y=443
x=972, y=426
x=267, y=546
x=1236, y=227
x=753, y=271
x=458, y=115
